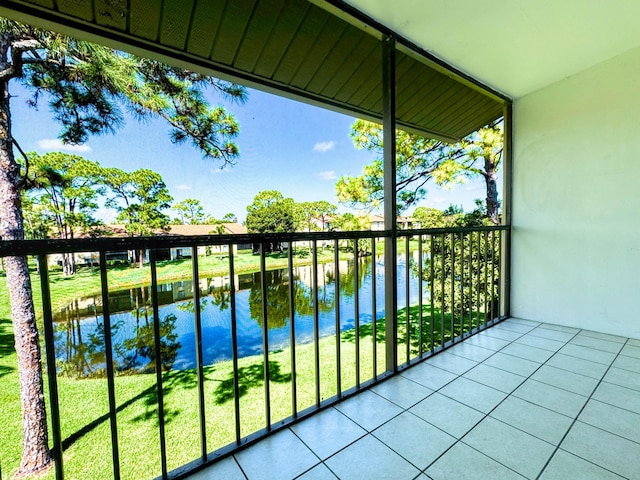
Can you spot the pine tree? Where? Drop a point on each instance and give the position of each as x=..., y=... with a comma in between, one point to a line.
x=87, y=88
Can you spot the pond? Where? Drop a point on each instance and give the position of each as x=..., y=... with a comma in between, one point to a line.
x=79, y=327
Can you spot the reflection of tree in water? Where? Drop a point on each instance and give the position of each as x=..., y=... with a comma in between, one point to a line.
x=348, y=278
x=278, y=299
x=84, y=355
x=189, y=306
x=221, y=297
x=142, y=345
x=81, y=355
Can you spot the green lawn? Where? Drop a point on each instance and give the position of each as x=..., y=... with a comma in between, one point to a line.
x=84, y=407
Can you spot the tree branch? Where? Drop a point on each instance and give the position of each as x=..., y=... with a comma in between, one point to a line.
x=15, y=67
x=23, y=180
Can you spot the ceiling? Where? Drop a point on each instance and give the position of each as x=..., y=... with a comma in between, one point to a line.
x=515, y=46
x=302, y=49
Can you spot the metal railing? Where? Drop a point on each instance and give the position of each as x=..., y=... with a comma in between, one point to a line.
x=326, y=317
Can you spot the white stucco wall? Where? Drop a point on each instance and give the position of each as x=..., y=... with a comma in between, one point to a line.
x=576, y=205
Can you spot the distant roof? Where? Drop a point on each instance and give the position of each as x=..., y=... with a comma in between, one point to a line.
x=185, y=230
x=210, y=229
x=380, y=218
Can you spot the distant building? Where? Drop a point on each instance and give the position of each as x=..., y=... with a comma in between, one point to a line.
x=129, y=256
x=403, y=223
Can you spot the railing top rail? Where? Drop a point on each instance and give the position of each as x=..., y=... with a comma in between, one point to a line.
x=109, y=244
x=437, y=231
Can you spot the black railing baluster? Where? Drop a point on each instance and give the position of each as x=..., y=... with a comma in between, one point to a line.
x=481, y=267
x=461, y=283
x=50, y=352
x=108, y=348
x=442, y=292
x=292, y=332
x=500, y=276
x=420, y=288
x=493, y=275
x=197, y=318
x=470, y=282
x=234, y=344
x=374, y=327
x=356, y=301
x=407, y=280
x=316, y=321
x=453, y=288
x=265, y=335
x=486, y=275
x=158, y=360
x=432, y=292
x=336, y=259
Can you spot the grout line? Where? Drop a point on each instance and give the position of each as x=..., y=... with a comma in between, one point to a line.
x=239, y=466
x=527, y=378
x=459, y=440
x=580, y=413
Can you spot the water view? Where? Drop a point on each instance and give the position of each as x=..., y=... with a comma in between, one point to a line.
x=80, y=347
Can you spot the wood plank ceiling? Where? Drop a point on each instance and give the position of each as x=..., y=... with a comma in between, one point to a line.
x=291, y=46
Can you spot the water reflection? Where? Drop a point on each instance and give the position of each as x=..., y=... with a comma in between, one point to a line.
x=79, y=330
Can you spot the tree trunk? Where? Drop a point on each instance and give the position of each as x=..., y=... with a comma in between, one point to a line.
x=35, y=450
x=68, y=264
x=493, y=205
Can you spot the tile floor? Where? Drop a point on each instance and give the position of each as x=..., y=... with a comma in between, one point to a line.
x=519, y=400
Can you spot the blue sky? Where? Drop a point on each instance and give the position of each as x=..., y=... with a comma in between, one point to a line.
x=284, y=145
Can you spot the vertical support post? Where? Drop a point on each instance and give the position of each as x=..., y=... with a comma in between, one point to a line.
x=50, y=352
x=389, y=162
x=507, y=181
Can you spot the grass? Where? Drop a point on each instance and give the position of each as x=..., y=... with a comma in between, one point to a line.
x=84, y=407
x=85, y=424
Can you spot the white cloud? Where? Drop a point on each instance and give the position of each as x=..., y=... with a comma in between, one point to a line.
x=182, y=187
x=324, y=146
x=56, y=144
x=328, y=175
